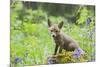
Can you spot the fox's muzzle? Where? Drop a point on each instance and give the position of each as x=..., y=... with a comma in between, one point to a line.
x=53, y=34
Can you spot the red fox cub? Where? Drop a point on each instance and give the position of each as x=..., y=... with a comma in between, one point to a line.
x=62, y=41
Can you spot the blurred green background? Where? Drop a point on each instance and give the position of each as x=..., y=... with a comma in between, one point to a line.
x=31, y=42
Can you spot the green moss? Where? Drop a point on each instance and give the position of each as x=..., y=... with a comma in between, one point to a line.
x=67, y=57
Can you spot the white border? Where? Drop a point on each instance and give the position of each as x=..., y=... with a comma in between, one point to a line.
x=85, y=2
x=5, y=32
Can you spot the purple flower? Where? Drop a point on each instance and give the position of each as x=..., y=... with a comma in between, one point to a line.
x=77, y=53
x=88, y=21
x=51, y=60
x=18, y=60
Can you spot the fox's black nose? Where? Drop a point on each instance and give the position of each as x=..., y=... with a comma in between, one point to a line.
x=53, y=35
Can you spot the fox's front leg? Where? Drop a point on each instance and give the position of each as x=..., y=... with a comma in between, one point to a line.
x=61, y=46
x=60, y=50
x=56, y=48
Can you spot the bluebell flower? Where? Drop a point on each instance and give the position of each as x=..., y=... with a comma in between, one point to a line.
x=51, y=60
x=18, y=60
x=77, y=53
x=88, y=21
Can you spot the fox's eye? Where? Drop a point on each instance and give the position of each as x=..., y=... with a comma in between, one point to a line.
x=51, y=30
x=56, y=31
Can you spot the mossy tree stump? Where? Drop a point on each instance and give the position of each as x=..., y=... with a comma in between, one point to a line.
x=67, y=57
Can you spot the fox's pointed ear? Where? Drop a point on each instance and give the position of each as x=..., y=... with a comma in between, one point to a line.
x=49, y=23
x=60, y=24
